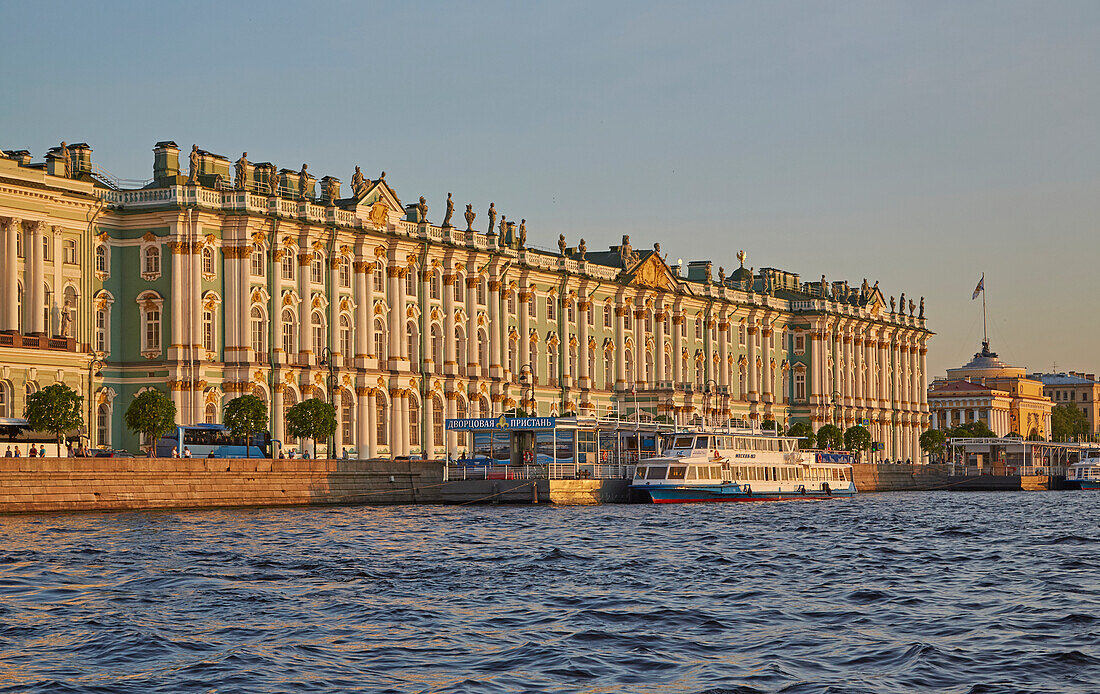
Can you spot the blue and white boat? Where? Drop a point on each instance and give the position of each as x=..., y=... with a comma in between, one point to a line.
x=741, y=466
x=1086, y=472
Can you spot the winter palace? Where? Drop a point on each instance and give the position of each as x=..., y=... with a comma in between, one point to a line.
x=226, y=277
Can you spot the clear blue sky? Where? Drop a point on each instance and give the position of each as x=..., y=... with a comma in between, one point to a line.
x=914, y=143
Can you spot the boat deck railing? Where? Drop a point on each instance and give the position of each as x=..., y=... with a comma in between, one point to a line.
x=1011, y=470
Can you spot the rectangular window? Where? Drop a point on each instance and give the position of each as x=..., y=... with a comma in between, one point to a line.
x=289, y=262
x=46, y=247
x=70, y=252
x=258, y=263
x=152, y=329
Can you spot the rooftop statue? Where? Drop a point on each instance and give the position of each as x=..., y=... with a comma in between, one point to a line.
x=522, y=233
x=503, y=230
x=721, y=275
x=912, y=307
x=824, y=287
x=864, y=289
x=582, y=250
x=357, y=182
x=422, y=209
x=302, y=178
x=921, y=308
x=901, y=302
x=470, y=216
x=561, y=244
x=492, y=217
x=382, y=177
x=332, y=190
x=240, y=169
x=893, y=305
x=450, y=211
x=657, y=247
x=193, y=163
x=273, y=179
x=67, y=160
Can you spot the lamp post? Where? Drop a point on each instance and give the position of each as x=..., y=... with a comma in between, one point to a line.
x=706, y=397
x=526, y=385
x=326, y=361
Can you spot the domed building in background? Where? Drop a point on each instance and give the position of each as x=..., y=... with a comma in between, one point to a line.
x=989, y=390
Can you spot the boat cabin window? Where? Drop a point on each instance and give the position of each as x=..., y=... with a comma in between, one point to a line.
x=639, y=473
x=655, y=473
x=690, y=473
x=676, y=472
x=702, y=442
x=682, y=442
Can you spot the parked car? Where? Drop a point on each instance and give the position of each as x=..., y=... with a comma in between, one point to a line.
x=111, y=453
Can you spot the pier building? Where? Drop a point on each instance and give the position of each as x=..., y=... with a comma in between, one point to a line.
x=239, y=277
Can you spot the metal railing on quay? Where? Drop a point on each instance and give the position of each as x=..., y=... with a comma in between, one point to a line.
x=554, y=471
x=1010, y=470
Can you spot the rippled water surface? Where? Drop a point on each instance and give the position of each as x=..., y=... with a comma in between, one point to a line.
x=938, y=591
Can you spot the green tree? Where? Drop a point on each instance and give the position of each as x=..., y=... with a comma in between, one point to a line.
x=805, y=434
x=245, y=416
x=769, y=424
x=830, y=436
x=55, y=409
x=976, y=429
x=311, y=419
x=933, y=442
x=1068, y=423
x=151, y=414
x=857, y=439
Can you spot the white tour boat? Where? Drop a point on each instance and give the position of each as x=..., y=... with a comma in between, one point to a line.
x=741, y=466
x=1086, y=473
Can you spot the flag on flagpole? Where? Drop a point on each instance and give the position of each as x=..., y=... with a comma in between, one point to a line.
x=980, y=288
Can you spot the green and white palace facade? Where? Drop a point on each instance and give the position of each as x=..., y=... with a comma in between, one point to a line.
x=239, y=277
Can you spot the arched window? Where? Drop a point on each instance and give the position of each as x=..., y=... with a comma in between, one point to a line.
x=5, y=399
x=741, y=335
x=414, y=422
x=319, y=338
x=668, y=365
x=608, y=370
x=345, y=337
x=101, y=259
x=698, y=328
x=570, y=312
x=552, y=364
x=345, y=272
x=211, y=413
x=460, y=350
x=289, y=264
x=532, y=309
x=380, y=340
x=101, y=330
x=551, y=308
x=437, y=349
x=208, y=330
x=151, y=333
x=482, y=291
x=629, y=359
x=411, y=283
x=437, y=421
x=379, y=279
x=649, y=366
x=382, y=425
x=152, y=260
x=317, y=268
x=207, y=260
x=436, y=285
x=289, y=332
x=460, y=412
x=573, y=361
x=699, y=373
x=484, y=408
x=608, y=311
x=741, y=390
x=29, y=389
x=258, y=266
x=259, y=332
x=414, y=345
x=460, y=288
x=483, y=352
x=103, y=424
x=347, y=419
x=289, y=401
x=513, y=358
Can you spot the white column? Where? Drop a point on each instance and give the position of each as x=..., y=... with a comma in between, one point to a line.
x=11, y=273
x=278, y=403
x=372, y=423
x=449, y=341
x=723, y=352
x=396, y=327
x=621, y=314
x=639, y=345
x=766, y=394
x=473, y=368
x=305, y=326
x=364, y=327
x=584, y=378
x=402, y=322
x=451, y=437
x=677, y=349
x=659, y=346
x=427, y=433
x=495, y=368
x=524, y=332
x=754, y=387
x=38, y=278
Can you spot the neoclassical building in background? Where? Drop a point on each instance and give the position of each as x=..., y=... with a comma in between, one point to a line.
x=245, y=278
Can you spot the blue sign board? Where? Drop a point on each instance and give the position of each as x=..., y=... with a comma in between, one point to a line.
x=501, y=423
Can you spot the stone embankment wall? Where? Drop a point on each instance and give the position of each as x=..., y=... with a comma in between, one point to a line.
x=878, y=477
x=113, y=484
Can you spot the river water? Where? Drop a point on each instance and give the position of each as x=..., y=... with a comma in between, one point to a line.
x=908, y=592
